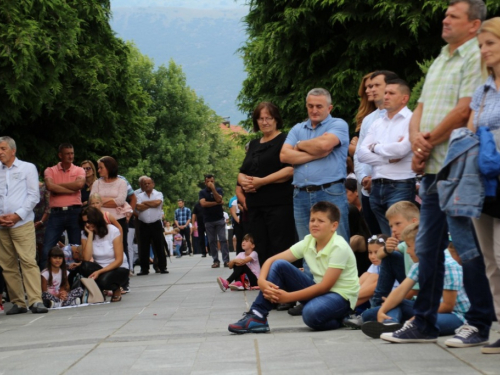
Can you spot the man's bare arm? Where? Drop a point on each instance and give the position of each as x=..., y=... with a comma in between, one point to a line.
x=320, y=146
x=292, y=156
x=456, y=118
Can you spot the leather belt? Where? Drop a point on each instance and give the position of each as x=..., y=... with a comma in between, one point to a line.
x=68, y=208
x=386, y=181
x=312, y=188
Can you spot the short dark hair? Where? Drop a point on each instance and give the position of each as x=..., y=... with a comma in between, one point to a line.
x=388, y=75
x=273, y=111
x=208, y=175
x=477, y=9
x=404, y=87
x=351, y=184
x=111, y=165
x=331, y=210
x=249, y=237
x=95, y=217
x=64, y=145
x=180, y=200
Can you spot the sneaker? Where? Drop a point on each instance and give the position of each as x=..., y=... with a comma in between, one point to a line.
x=466, y=336
x=375, y=329
x=48, y=303
x=38, y=308
x=409, y=333
x=78, y=301
x=353, y=321
x=15, y=309
x=245, y=281
x=491, y=348
x=296, y=310
x=236, y=286
x=285, y=306
x=223, y=284
x=250, y=323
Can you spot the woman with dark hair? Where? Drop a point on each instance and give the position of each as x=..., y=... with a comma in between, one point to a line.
x=267, y=184
x=90, y=178
x=103, y=243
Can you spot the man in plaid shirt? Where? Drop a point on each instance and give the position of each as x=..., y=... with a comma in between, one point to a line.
x=182, y=220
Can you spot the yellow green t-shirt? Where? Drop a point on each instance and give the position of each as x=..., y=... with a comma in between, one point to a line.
x=336, y=254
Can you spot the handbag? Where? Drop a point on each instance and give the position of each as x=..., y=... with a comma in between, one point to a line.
x=91, y=292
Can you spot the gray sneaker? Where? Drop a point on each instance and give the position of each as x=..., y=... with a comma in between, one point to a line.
x=15, y=309
x=353, y=321
x=38, y=308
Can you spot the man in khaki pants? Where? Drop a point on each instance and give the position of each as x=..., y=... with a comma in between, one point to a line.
x=19, y=194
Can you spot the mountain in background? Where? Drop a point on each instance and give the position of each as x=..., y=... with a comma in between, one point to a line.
x=202, y=36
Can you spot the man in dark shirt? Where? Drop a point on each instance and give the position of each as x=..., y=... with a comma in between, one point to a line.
x=215, y=224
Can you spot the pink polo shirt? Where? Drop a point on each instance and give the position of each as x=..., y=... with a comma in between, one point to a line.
x=60, y=176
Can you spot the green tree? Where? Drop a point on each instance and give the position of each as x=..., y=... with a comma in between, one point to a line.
x=64, y=76
x=294, y=46
x=184, y=140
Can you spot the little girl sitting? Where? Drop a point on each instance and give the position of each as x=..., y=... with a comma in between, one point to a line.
x=55, y=285
x=177, y=242
x=246, y=268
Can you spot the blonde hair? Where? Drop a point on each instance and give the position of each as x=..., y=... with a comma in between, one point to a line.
x=404, y=208
x=410, y=232
x=490, y=26
x=95, y=196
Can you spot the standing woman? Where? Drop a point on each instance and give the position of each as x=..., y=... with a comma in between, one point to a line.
x=113, y=191
x=90, y=178
x=366, y=106
x=268, y=185
x=486, y=112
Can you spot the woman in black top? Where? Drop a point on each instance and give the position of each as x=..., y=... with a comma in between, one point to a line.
x=268, y=186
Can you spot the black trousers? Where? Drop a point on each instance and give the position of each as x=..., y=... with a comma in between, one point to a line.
x=186, y=232
x=110, y=280
x=151, y=233
x=242, y=270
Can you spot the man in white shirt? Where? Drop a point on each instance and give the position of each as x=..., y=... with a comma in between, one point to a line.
x=387, y=149
x=149, y=205
x=19, y=194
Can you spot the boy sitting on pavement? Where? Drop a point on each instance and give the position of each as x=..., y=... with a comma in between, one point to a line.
x=395, y=261
x=396, y=309
x=328, y=298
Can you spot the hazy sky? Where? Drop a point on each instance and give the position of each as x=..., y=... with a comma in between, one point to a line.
x=198, y=4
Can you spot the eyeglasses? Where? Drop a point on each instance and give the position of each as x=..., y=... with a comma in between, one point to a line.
x=375, y=239
x=87, y=168
x=267, y=119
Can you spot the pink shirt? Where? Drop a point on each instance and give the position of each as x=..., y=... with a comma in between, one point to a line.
x=254, y=264
x=61, y=176
x=116, y=189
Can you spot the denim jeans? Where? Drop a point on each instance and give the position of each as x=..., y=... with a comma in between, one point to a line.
x=303, y=201
x=58, y=222
x=384, y=195
x=447, y=323
x=324, y=312
x=216, y=229
x=392, y=268
x=432, y=239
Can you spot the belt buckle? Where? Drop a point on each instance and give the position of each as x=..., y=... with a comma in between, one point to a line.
x=64, y=208
x=309, y=187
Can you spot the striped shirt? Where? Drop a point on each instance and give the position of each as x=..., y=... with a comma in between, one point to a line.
x=453, y=280
x=449, y=79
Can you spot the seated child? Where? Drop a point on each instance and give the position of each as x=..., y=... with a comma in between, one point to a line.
x=55, y=285
x=385, y=319
x=177, y=242
x=328, y=297
x=245, y=267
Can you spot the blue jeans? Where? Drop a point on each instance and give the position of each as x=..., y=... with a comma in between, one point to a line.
x=392, y=268
x=447, y=323
x=432, y=239
x=384, y=195
x=58, y=222
x=303, y=201
x=324, y=312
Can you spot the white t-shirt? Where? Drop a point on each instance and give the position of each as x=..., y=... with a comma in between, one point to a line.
x=56, y=281
x=104, y=253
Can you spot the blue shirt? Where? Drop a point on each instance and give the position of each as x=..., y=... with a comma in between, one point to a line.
x=182, y=215
x=328, y=169
x=490, y=115
x=19, y=191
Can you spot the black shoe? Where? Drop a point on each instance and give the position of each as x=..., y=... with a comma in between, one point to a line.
x=164, y=271
x=143, y=273
x=296, y=310
x=285, y=306
x=375, y=329
x=16, y=310
x=226, y=264
x=38, y=308
x=204, y=256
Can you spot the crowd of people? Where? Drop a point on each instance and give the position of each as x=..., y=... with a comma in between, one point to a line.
x=395, y=231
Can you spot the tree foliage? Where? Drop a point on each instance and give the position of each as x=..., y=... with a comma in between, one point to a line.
x=294, y=46
x=65, y=77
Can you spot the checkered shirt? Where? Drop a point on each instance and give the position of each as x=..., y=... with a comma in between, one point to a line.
x=182, y=215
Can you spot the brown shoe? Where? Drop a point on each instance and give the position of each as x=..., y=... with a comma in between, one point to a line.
x=216, y=265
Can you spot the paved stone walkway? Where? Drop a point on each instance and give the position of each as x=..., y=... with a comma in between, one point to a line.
x=177, y=324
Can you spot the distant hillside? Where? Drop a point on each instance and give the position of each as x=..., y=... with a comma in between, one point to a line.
x=203, y=41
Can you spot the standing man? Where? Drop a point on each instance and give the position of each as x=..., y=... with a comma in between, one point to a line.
x=64, y=181
x=387, y=149
x=19, y=194
x=182, y=220
x=197, y=217
x=149, y=205
x=444, y=106
x=215, y=224
x=317, y=148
